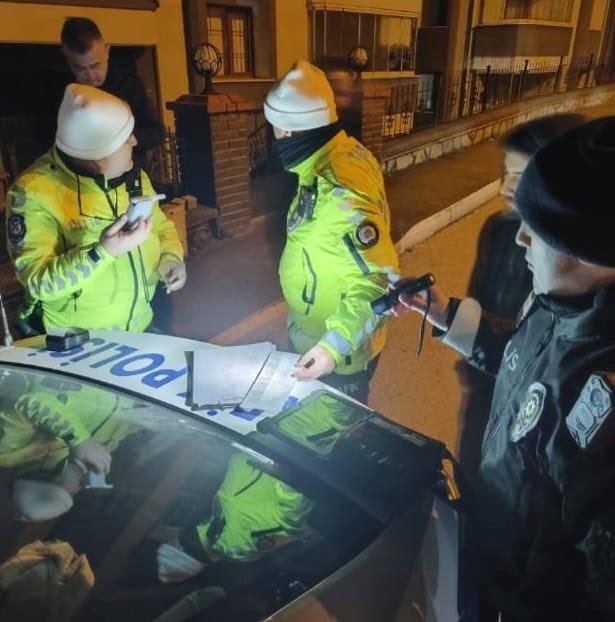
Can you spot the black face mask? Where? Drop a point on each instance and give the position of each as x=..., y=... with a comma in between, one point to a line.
x=301, y=145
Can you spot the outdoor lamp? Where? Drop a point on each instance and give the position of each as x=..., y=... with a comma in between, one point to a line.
x=358, y=59
x=207, y=62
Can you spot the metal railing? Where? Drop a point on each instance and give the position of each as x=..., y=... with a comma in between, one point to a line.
x=164, y=166
x=551, y=11
x=263, y=159
x=414, y=106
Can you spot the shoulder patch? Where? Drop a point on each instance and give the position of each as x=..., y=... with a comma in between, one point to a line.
x=16, y=228
x=529, y=412
x=367, y=234
x=590, y=412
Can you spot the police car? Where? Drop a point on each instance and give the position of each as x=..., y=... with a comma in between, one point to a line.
x=323, y=511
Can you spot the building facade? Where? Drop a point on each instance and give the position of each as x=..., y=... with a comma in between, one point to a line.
x=482, y=52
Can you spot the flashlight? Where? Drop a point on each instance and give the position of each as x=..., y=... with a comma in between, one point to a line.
x=391, y=298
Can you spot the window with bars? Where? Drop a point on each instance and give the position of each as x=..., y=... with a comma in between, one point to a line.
x=389, y=40
x=230, y=30
x=546, y=10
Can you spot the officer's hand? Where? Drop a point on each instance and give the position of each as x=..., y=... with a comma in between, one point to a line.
x=315, y=363
x=438, y=308
x=173, y=274
x=118, y=241
x=91, y=455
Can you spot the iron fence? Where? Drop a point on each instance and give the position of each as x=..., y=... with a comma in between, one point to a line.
x=438, y=99
x=263, y=158
x=164, y=166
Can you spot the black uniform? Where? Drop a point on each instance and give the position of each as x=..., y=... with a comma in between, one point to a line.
x=129, y=87
x=546, y=502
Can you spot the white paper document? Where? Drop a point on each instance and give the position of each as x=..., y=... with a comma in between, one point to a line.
x=273, y=384
x=223, y=376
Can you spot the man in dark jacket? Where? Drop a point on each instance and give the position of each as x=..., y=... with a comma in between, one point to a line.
x=545, y=510
x=87, y=56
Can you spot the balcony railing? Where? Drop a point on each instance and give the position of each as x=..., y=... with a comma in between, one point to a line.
x=549, y=11
x=417, y=105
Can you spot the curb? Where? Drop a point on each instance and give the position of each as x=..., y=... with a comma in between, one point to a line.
x=438, y=221
x=255, y=321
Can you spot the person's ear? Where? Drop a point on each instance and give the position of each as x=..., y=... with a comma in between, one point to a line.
x=107, y=49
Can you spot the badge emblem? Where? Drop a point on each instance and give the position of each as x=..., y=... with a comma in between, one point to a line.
x=367, y=234
x=529, y=412
x=16, y=228
x=590, y=411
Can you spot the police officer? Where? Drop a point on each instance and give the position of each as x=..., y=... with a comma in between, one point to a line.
x=500, y=280
x=338, y=254
x=545, y=511
x=66, y=223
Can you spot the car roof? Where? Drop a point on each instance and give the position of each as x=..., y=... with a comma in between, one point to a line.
x=149, y=365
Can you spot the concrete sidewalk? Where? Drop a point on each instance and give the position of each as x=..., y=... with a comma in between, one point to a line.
x=237, y=278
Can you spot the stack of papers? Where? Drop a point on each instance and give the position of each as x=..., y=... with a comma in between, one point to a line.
x=273, y=385
x=254, y=377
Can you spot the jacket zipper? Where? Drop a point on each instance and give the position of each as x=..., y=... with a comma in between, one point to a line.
x=144, y=275
x=135, y=289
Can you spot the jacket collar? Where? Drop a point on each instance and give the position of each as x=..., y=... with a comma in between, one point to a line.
x=310, y=167
x=585, y=315
x=85, y=179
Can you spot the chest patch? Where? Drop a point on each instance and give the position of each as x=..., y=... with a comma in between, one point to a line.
x=367, y=234
x=529, y=412
x=589, y=413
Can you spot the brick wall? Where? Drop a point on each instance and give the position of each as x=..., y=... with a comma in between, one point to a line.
x=214, y=131
x=361, y=107
x=372, y=114
x=229, y=137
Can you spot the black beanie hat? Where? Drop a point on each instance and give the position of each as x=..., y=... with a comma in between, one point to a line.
x=567, y=192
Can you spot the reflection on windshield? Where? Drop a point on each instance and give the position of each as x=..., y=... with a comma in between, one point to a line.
x=56, y=431
x=133, y=510
x=252, y=514
x=320, y=421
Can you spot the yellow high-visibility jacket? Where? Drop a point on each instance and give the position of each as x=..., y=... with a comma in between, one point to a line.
x=42, y=417
x=54, y=221
x=338, y=255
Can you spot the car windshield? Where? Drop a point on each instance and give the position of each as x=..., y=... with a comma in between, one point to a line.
x=185, y=517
